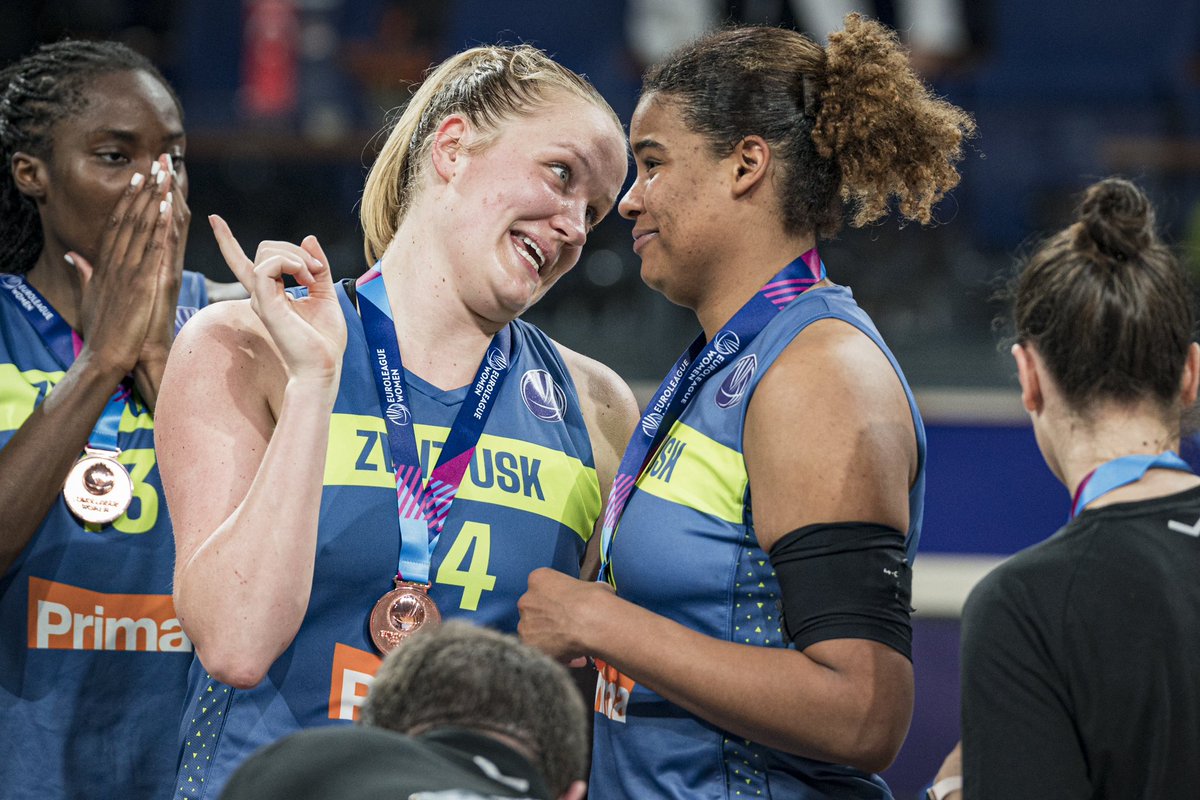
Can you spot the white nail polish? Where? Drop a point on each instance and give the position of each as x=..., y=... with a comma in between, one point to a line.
x=162, y=206
x=155, y=168
x=68, y=259
x=137, y=179
x=170, y=164
x=160, y=177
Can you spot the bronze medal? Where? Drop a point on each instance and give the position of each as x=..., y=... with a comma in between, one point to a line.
x=98, y=488
x=402, y=612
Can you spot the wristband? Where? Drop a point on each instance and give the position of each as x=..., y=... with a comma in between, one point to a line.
x=941, y=789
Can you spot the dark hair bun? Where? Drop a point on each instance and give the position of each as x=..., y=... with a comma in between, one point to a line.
x=1116, y=219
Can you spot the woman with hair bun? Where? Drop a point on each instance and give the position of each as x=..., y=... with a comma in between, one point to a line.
x=781, y=464
x=345, y=466
x=1080, y=654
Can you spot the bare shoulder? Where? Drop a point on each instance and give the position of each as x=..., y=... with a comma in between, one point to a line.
x=603, y=394
x=829, y=434
x=832, y=360
x=224, y=348
x=225, y=321
x=609, y=411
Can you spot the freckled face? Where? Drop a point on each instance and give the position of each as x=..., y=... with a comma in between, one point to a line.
x=524, y=202
x=128, y=120
x=675, y=203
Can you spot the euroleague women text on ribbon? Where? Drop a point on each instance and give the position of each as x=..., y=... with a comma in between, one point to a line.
x=697, y=364
x=422, y=507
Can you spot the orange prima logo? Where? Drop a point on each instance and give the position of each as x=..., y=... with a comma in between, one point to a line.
x=353, y=671
x=612, y=691
x=65, y=617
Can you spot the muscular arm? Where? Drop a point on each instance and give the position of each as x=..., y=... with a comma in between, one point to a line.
x=244, y=501
x=610, y=412
x=852, y=458
x=243, y=427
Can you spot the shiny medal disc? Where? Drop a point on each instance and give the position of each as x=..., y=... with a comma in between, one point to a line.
x=98, y=488
x=402, y=612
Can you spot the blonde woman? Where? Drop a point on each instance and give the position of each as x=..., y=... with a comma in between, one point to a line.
x=346, y=467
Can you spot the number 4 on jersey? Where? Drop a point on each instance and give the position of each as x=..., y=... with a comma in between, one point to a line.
x=475, y=579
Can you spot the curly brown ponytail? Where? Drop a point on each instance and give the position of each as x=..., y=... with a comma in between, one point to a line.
x=850, y=122
x=890, y=135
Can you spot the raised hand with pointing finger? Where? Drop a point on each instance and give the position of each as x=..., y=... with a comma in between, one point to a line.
x=337, y=462
x=309, y=332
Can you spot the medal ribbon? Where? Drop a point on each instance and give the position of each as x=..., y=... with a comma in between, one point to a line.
x=422, y=507
x=64, y=344
x=1120, y=472
x=697, y=364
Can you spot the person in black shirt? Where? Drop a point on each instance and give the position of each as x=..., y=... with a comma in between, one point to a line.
x=1080, y=655
x=456, y=713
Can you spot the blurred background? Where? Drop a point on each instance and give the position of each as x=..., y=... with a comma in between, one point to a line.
x=283, y=99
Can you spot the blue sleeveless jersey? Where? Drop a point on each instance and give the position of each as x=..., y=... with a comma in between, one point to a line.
x=93, y=662
x=529, y=499
x=686, y=549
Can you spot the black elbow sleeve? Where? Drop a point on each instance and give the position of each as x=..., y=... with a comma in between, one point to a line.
x=845, y=580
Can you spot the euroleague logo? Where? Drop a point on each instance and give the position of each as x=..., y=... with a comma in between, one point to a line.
x=10, y=281
x=398, y=413
x=733, y=388
x=727, y=343
x=650, y=423
x=544, y=398
x=496, y=360
x=182, y=315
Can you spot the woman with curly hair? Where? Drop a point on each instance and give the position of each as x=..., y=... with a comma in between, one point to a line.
x=761, y=526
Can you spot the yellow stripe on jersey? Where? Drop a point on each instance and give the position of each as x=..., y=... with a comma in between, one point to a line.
x=506, y=472
x=130, y=423
x=19, y=392
x=693, y=470
x=356, y=455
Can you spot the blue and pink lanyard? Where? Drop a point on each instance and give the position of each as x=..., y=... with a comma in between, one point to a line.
x=1120, y=472
x=65, y=345
x=698, y=364
x=422, y=507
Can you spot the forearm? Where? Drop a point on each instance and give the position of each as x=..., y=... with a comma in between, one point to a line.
x=242, y=595
x=147, y=377
x=35, y=462
x=779, y=697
